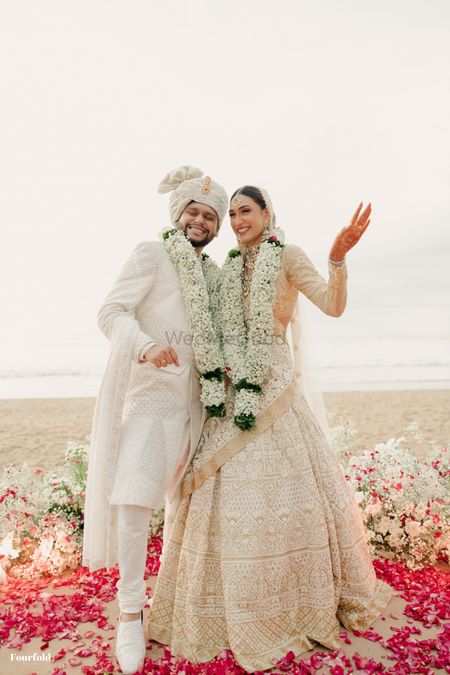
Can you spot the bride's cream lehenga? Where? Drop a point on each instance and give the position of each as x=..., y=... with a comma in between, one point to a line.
x=267, y=550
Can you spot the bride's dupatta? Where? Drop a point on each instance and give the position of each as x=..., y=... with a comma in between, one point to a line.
x=290, y=374
x=100, y=536
x=229, y=439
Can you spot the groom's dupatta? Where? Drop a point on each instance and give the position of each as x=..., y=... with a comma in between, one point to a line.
x=100, y=536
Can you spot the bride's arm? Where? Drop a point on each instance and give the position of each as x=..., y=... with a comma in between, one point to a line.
x=331, y=296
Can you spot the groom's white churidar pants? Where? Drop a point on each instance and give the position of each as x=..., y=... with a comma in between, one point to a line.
x=132, y=536
x=132, y=533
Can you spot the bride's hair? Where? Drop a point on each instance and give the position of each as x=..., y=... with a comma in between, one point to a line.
x=252, y=192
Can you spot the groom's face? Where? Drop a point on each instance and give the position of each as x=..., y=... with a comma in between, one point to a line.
x=199, y=223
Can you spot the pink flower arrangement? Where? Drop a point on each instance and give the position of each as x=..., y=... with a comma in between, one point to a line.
x=41, y=517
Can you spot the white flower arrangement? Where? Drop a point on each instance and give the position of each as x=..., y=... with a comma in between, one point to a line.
x=405, y=502
x=199, y=280
x=342, y=439
x=247, y=352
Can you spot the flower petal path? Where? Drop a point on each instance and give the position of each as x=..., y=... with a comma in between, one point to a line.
x=73, y=619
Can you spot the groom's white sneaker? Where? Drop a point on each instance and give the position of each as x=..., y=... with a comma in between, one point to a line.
x=130, y=645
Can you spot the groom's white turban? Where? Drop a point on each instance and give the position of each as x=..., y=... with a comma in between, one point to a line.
x=189, y=184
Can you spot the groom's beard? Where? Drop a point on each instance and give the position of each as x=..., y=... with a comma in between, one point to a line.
x=201, y=243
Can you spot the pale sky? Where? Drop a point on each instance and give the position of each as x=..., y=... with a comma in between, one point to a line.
x=324, y=103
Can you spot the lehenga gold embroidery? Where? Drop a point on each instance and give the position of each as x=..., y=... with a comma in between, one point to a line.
x=267, y=552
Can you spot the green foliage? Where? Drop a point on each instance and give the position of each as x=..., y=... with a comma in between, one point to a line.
x=244, y=384
x=168, y=233
x=245, y=422
x=216, y=374
x=216, y=410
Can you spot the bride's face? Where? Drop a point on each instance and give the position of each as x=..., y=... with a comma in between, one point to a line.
x=248, y=220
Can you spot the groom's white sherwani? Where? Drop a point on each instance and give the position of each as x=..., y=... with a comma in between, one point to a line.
x=148, y=420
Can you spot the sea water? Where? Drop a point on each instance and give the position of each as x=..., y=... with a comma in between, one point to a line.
x=364, y=349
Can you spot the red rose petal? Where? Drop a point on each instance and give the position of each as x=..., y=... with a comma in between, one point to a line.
x=59, y=655
x=73, y=661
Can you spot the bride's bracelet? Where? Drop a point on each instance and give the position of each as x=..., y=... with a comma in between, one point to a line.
x=337, y=263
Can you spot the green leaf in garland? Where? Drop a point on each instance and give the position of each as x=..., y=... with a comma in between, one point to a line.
x=205, y=256
x=167, y=233
x=245, y=422
x=234, y=253
x=216, y=410
x=244, y=384
x=216, y=374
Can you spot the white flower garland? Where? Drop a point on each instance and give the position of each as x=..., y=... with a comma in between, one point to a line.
x=199, y=279
x=247, y=352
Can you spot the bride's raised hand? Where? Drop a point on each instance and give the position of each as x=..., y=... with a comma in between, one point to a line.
x=350, y=235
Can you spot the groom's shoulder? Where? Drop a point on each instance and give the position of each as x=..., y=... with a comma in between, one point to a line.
x=147, y=256
x=148, y=249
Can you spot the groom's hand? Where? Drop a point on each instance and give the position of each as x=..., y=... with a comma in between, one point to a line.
x=161, y=356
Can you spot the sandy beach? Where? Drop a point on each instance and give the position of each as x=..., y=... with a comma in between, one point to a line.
x=37, y=430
